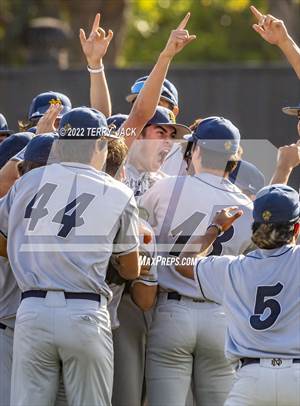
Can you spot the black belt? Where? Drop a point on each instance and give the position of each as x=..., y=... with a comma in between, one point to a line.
x=68, y=295
x=275, y=361
x=2, y=326
x=177, y=296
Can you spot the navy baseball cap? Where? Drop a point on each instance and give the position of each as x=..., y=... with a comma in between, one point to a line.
x=168, y=92
x=216, y=134
x=165, y=117
x=292, y=111
x=42, y=102
x=84, y=123
x=247, y=177
x=39, y=149
x=3, y=126
x=276, y=204
x=115, y=122
x=32, y=130
x=12, y=145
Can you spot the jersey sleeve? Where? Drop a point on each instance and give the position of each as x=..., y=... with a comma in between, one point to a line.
x=210, y=275
x=127, y=238
x=5, y=205
x=147, y=203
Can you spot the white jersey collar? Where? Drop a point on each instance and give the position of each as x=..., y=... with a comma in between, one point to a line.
x=216, y=180
x=79, y=165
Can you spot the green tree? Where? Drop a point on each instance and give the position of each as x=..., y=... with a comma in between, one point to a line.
x=223, y=28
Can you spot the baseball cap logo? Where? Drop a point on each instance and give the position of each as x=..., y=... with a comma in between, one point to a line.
x=172, y=117
x=55, y=101
x=266, y=215
x=112, y=126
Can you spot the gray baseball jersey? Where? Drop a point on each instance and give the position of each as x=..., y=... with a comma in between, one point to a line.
x=261, y=296
x=10, y=294
x=74, y=213
x=174, y=164
x=179, y=207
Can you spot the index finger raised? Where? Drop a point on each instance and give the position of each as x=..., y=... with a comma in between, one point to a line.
x=256, y=12
x=96, y=22
x=184, y=22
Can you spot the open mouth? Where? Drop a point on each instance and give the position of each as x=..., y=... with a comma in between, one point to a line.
x=162, y=155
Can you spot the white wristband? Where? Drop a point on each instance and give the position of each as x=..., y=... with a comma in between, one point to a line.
x=98, y=70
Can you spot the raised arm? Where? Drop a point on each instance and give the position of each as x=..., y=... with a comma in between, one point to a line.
x=273, y=30
x=198, y=246
x=94, y=48
x=288, y=158
x=148, y=98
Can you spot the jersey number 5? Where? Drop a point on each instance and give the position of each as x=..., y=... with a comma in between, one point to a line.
x=261, y=305
x=69, y=216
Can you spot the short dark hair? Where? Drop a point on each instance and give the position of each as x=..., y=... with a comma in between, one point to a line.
x=270, y=235
x=77, y=150
x=217, y=160
x=116, y=154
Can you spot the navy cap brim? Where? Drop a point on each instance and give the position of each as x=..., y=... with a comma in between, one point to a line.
x=42, y=110
x=131, y=98
x=291, y=111
x=181, y=130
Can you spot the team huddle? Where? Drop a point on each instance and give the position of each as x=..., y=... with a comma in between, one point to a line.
x=144, y=261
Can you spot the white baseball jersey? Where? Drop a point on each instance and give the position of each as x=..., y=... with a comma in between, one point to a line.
x=174, y=164
x=179, y=207
x=260, y=293
x=10, y=294
x=63, y=223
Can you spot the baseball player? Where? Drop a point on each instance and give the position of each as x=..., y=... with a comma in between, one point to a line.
x=260, y=295
x=186, y=338
x=56, y=209
x=273, y=31
x=142, y=171
x=4, y=130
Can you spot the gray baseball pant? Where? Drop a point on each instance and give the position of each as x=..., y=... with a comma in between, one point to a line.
x=186, y=343
x=56, y=330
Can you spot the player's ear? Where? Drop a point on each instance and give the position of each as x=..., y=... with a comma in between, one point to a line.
x=175, y=110
x=296, y=230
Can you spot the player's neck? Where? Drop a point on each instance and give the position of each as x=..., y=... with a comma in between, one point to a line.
x=216, y=172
